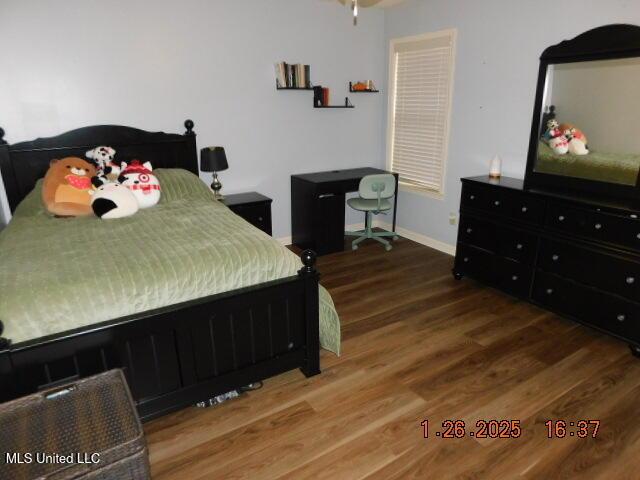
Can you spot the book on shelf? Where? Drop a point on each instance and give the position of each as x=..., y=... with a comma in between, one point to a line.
x=293, y=75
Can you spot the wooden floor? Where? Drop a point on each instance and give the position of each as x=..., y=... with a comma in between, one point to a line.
x=419, y=345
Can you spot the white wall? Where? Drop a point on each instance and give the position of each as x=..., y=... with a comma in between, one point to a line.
x=498, y=46
x=152, y=64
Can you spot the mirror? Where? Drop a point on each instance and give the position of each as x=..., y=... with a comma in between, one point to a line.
x=590, y=121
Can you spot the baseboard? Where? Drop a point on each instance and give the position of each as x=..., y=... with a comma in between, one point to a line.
x=419, y=238
x=403, y=232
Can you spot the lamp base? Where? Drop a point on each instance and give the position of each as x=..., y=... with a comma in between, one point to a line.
x=216, y=186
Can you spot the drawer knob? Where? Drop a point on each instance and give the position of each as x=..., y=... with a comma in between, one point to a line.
x=514, y=278
x=524, y=209
x=561, y=218
x=496, y=203
x=549, y=291
x=598, y=226
x=621, y=318
x=472, y=197
x=465, y=259
x=259, y=219
x=638, y=236
x=631, y=280
x=555, y=258
x=469, y=230
x=519, y=246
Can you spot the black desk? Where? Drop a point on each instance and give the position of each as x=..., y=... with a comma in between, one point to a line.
x=318, y=207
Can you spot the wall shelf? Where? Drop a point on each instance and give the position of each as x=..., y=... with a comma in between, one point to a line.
x=361, y=91
x=335, y=106
x=293, y=88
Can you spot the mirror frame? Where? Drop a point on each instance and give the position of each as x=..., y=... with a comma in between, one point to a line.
x=603, y=43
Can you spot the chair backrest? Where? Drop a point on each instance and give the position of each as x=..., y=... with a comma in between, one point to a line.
x=371, y=185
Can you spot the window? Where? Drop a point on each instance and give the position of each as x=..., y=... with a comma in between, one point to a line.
x=421, y=84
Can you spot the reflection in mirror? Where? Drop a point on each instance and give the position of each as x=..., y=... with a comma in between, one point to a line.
x=590, y=125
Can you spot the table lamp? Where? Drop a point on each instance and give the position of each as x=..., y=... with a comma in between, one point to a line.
x=213, y=159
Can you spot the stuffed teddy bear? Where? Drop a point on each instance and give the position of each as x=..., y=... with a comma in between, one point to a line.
x=103, y=157
x=141, y=181
x=66, y=187
x=113, y=200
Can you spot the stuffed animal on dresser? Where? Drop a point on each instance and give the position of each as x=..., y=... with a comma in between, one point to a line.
x=104, y=159
x=66, y=187
x=113, y=200
x=138, y=178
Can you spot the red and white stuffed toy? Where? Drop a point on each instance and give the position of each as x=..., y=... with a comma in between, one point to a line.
x=144, y=185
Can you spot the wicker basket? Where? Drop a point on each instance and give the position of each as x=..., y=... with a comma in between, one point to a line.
x=92, y=423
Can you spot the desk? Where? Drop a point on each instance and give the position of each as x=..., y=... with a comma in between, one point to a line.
x=318, y=207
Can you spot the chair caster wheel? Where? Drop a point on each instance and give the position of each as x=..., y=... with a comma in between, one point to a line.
x=387, y=247
x=395, y=238
x=635, y=350
x=354, y=247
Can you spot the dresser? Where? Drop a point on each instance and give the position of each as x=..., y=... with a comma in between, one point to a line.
x=578, y=256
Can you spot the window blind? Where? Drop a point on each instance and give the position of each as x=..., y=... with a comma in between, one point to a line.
x=422, y=71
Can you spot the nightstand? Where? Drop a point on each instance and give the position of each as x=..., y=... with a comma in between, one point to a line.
x=253, y=207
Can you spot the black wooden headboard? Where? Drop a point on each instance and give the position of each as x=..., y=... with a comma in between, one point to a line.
x=22, y=164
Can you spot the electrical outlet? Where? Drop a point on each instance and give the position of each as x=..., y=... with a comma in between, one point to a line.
x=453, y=218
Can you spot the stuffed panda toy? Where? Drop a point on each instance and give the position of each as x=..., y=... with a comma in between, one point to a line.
x=138, y=178
x=104, y=158
x=112, y=200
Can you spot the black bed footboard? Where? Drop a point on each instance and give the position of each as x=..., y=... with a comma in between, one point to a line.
x=182, y=354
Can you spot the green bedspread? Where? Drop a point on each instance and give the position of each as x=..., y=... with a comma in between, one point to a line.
x=58, y=274
x=605, y=167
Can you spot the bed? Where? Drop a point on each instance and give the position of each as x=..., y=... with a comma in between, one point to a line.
x=602, y=166
x=186, y=297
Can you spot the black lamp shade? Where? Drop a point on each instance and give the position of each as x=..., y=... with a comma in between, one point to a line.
x=213, y=159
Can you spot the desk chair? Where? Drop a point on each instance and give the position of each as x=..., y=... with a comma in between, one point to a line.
x=374, y=194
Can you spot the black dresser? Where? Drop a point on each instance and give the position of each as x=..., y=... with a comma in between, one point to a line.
x=575, y=255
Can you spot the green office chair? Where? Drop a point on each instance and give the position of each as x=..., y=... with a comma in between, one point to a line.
x=375, y=192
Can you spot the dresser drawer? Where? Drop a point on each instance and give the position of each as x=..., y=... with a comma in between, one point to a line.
x=516, y=205
x=502, y=240
x=511, y=277
x=610, y=273
x=614, y=229
x=596, y=225
x=475, y=263
x=567, y=219
x=478, y=233
x=609, y=312
x=517, y=245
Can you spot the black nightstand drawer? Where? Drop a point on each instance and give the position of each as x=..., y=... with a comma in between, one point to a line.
x=253, y=207
x=257, y=215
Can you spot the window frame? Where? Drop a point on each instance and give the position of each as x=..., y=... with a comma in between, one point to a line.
x=453, y=34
